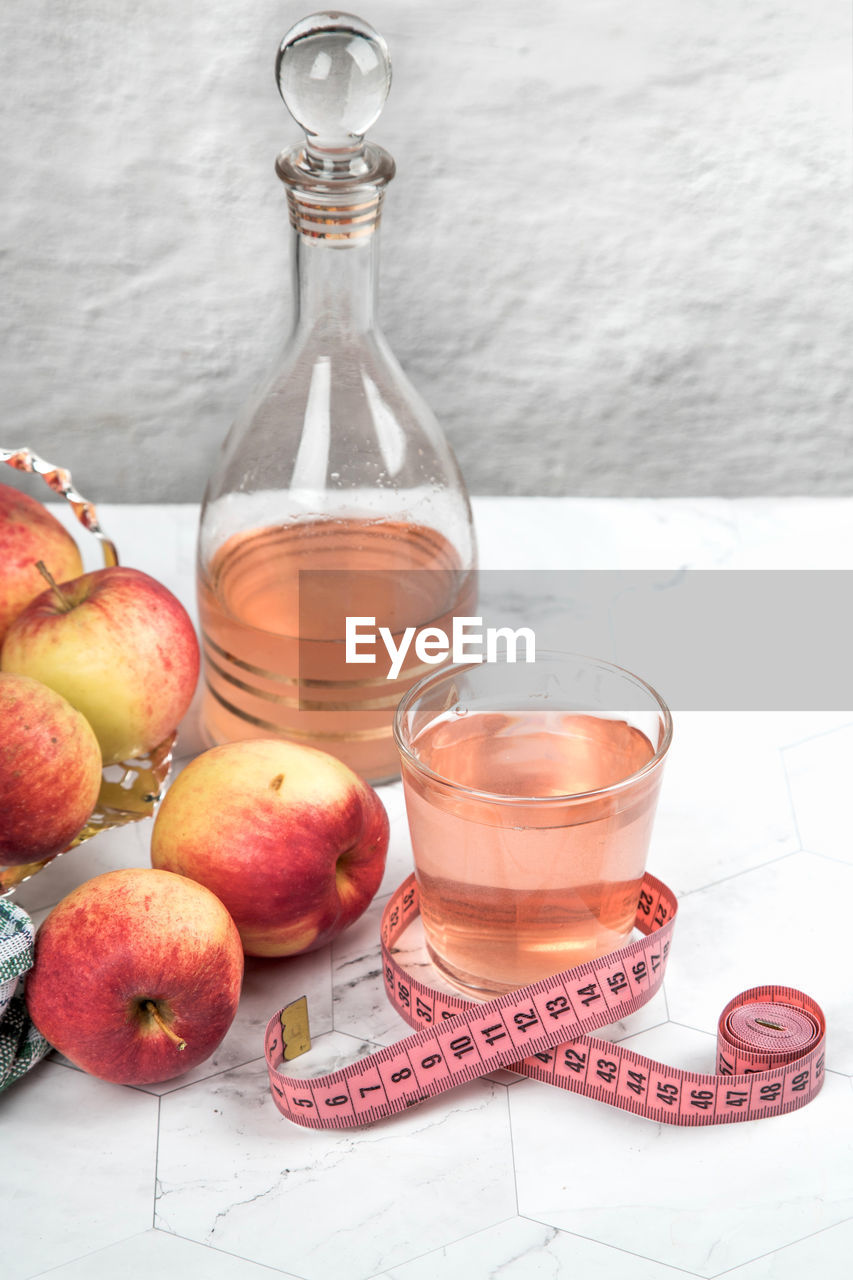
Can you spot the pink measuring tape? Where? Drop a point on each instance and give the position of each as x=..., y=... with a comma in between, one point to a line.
x=770, y=1040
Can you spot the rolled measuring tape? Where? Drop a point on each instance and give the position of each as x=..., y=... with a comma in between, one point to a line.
x=770, y=1040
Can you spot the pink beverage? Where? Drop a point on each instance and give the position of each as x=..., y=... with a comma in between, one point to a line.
x=530, y=831
x=273, y=668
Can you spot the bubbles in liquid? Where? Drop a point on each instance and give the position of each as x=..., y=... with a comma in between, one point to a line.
x=459, y=710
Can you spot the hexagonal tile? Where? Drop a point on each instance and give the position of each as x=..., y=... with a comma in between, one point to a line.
x=704, y=1200
x=520, y=1250
x=785, y=923
x=724, y=803
x=819, y=1255
x=819, y=773
x=156, y=1253
x=71, y=1186
x=234, y=1174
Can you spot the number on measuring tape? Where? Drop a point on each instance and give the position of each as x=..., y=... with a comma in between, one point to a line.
x=525, y=1019
x=636, y=1082
x=423, y=1010
x=667, y=1092
x=606, y=1070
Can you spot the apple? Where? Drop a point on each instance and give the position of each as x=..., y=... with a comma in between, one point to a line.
x=137, y=975
x=50, y=772
x=119, y=646
x=29, y=533
x=289, y=838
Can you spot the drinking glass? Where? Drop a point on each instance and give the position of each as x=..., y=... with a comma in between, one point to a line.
x=530, y=790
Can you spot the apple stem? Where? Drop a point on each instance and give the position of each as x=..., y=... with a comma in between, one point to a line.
x=64, y=603
x=150, y=1007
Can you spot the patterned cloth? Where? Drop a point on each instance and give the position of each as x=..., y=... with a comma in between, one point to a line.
x=21, y=1046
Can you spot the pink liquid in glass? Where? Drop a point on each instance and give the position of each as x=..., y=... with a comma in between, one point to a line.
x=518, y=888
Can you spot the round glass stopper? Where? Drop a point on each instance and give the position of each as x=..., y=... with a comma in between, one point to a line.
x=333, y=73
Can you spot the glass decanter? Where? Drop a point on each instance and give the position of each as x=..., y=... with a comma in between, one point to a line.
x=337, y=464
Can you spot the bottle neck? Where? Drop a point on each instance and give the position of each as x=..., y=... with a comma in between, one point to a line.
x=335, y=253
x=335, y=282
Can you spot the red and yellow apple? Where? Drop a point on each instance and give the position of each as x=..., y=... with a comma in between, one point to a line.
x=50, y=772
x=29, y=533
x=120, y=647
x=289, y=838
x=137, y=975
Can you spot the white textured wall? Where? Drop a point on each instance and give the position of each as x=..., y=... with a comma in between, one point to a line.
x=616, y=257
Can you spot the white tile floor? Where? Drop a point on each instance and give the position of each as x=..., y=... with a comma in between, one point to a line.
x=504, y=1177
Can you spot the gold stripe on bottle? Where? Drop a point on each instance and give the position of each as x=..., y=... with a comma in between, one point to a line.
x=245, y=666
x=302, y=704
x=362, y=735
x=333, y=222
x=412, y=673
